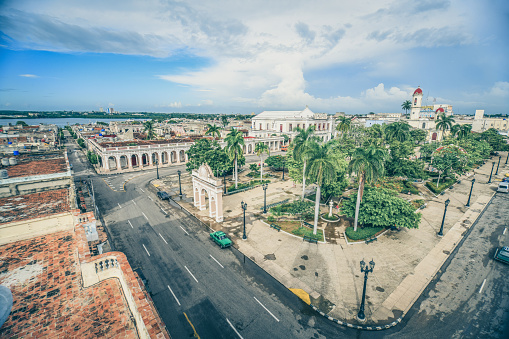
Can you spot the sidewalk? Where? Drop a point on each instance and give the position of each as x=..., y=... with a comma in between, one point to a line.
x=328, y=275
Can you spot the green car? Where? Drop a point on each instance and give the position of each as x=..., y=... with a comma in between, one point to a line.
x=502, y=254
x=221, y=239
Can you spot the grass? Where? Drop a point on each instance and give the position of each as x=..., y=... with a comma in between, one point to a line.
x=294, y=227
x=334, y=217
x=432, y=185
x=363, y=233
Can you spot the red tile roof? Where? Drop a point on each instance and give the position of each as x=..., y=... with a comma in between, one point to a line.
x=28, y=167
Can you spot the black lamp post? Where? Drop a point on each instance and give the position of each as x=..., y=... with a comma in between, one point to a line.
x=365, y=269
x=283, y=169
x=468, y=202
x=441, y=232
x=489, y=180
x=157, y=168
x=264, y=186
x=224, y=181
x=507, y=158
x=244, y=207
x=180, y=185
x=499, y=157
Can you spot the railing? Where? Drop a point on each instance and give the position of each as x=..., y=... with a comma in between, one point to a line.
x=276, y=204
x=106, y=264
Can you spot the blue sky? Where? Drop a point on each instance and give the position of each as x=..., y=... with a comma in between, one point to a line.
x=225, y=56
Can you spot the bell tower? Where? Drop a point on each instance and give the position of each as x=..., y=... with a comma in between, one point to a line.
x=416, y=104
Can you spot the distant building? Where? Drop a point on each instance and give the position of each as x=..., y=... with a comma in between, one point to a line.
x=481, y=124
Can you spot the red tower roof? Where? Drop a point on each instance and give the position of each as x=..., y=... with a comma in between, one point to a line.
x=440, y=110
x=418, y=91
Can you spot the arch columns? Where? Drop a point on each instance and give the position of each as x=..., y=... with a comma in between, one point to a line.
x=204, y=182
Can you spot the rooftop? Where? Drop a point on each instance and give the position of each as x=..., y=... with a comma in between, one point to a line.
x=37, y=164
x=143, y=142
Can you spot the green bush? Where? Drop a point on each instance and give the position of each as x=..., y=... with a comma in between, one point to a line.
x=334, y=217
x=271, y=218
x=362, y=233
x=442, y=186
x=409, y=187
x=308, y=232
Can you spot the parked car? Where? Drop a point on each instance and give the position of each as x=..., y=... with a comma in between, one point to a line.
x=163, y=195
x=503, y=187
x=502, y=254
x=221, y=239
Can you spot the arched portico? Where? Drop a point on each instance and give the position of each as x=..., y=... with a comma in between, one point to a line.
x=205, y=184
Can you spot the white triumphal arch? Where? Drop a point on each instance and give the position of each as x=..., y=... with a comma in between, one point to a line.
x=206, y=184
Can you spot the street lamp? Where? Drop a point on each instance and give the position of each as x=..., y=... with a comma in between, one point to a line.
x=244, y=207
x=489, y=180
x=283, y=169
x=499, y=157
x=157, y=168
x=468, y=202
x=507, y=158
x=365, y=269
x=224, y=181
x=441, y=232
x=264, y=186
x=180, y=184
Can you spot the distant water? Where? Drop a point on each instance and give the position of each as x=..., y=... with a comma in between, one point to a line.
x=61, y=122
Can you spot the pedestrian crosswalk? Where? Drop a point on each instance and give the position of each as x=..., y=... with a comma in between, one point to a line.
x=116, y=183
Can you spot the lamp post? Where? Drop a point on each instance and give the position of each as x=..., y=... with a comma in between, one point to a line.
x=157, y=168
x=283, y=169
x=499, y=157
x=365, y=269
x=468, y=202
x=507, y=158
x=264, y=186
x=180, y=185
x=489, y=180
x=441, y=232
x=244, y=207
x=224, y=181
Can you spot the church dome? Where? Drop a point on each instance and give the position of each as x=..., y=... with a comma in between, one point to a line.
x=418, y=91
x=440, y=110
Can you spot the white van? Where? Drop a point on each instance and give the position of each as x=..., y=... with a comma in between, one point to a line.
x=503, y=187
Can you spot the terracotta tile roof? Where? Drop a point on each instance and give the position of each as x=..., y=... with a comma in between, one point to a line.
x=37, y=164
x=35, y=205
x=143, y=142
x=48, y=300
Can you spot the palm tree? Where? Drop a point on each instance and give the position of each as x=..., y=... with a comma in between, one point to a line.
x=301, y=143
x=444, y=122
x=234, y=141
x=455, y=130
x=261, y=148
x=224, y=120
x=399, y=131
x=406, y=105
x=148, y=126
x=464, y=131
x=368, y=164
x=213, y=130
x=344, y=124
x=321, y=170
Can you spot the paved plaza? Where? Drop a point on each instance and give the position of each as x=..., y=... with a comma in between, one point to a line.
x=328, y=274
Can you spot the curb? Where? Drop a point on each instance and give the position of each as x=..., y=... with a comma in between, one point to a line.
x=359, y=327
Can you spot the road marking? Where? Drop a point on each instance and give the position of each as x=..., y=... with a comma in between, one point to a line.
x=163, y=238
x=151, y=198
x=183, y=229
x=134, y=202
x=163, y=211
x=129, y=221
x=234, y=328
x=190, y=323
x=142, y=190
x=119, y=205
x=505, y=229
x=216, y=261
x=178, y=302
x=482, y=286
x=266, y=309
x=144, y=215
x=191, y=274
x=146, y=250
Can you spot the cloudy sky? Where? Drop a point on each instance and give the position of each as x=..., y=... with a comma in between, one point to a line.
x=224, y=56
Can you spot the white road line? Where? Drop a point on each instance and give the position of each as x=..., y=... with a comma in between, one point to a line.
x=129, y=221
x=163, y=238
x=178, y=302
x=144, y=215
x=482, y=286
x=134, y=202
x=163, y=211
x=234, y=328
x=151, y=198
x=191, y=274
x=266, y=309
x=183, y=229
x=505, y=229
x=142, y=190
x=119, y=205
x=146, y=250
x=216, y=261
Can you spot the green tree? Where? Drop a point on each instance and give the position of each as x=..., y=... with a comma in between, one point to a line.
x=449, y=158
x=382, y=208
x=399, y=131
x=464, y=131
x=368, y=165
x=224, y=120
x=495, y=140
x=235, y=141
x=418, y=135
x=92, y=157
x=443, y=122
x=148, y=128
x=406, y=105
x=21, y=123
x=276, y=162
x=81, y=142
x=455, y=129
x=205, y=151
x=301, y=144
x=321, y=171
x=213, y=130
x=344, y=124
x=261, y=148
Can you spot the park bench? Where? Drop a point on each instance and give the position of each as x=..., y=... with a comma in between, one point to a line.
x=309, y=239
x=274, y=226
x=371, y=240
x=307, y=224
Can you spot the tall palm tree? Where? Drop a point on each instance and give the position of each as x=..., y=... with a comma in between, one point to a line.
x=406, y=105
x=234, y=142
x=261, y=148
x=399, y=131
x=368, y=164
x=224, y=120
x=444, y=122
x=321, y=171
x=455, y=130
x=344, y=124
x=301, y=144
x=213, y=130
x=148, y=126
x=464, y=131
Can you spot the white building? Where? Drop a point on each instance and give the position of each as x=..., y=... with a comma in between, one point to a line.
x=268, y=123
x=481, y=124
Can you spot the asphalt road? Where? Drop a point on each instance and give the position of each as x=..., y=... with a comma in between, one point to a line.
x=197, y=287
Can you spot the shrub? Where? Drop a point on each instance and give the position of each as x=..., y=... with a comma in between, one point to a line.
x=409, y=187
x=270, y=218
x=437, y=190
x=362, y=233
x=308, y=232
x=334, y=217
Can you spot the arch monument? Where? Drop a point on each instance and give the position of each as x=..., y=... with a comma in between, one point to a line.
x=206, y=184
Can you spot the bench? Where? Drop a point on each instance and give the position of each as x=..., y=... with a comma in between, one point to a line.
x=307, y=224
x=276, y=227
x=371, y=240
x=309, y=239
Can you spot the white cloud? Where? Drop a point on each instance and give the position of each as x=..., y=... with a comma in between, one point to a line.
x=29, y=75
x=500, y=89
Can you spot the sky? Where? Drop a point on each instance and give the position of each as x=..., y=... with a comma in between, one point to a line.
x=230, y=56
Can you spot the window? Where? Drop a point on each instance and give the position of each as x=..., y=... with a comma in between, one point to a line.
x=267, y=126
x=281, y=127
x=298, y=125
x=260, y=127
x=415, y=102
x=290, y=128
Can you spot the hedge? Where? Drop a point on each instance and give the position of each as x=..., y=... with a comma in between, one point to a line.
x=362, y=233
x=408, y=187
x=437, y=190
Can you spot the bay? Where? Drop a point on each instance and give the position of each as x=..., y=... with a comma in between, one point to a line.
x=60, y=122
